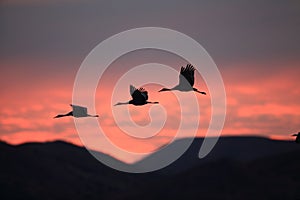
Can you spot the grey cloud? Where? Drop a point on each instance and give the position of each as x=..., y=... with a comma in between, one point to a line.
x=231, y=31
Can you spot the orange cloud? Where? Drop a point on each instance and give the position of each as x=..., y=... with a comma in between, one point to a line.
x=267, y=106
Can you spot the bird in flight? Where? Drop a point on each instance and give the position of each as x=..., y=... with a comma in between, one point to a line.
x=77, y=111
x=186, y=80
x=297, y=135
x=139, y=97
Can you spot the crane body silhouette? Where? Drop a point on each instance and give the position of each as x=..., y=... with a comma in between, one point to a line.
x=297, y=135
x=77, y=111
x=186, y=81
x=139, y=97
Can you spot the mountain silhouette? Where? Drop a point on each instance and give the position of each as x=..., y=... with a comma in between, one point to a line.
x=237, y=168
x=241, y=149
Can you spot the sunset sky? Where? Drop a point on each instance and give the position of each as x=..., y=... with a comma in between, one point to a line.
x=256, y=46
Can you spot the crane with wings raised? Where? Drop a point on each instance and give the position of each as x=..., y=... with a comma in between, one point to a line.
x=186, y=81
x=139, y=97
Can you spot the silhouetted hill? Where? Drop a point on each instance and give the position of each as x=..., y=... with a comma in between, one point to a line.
x=56, y=170
x=237, y=168
x=241, y=149
x=273, y=177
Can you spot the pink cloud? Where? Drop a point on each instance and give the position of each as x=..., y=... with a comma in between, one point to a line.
x=266, y=106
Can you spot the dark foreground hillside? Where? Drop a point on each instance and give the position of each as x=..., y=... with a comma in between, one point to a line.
x=237, y=168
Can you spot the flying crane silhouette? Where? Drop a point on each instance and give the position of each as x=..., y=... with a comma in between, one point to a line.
x=186, y=80
x=139, y=97
x=297, y=135
x=77, y=111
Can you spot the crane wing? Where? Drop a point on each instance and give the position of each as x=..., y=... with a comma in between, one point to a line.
x=132, y=89
x=138, y=95
x=187, y=74
x=79, y=111
x=144, y=93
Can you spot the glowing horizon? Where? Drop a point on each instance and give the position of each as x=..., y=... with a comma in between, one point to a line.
x=22, y=123
x=43, y=44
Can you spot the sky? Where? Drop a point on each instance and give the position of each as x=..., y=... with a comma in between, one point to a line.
x=254, y=44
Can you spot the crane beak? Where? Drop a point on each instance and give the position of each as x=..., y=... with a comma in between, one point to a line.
x=164, y=89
